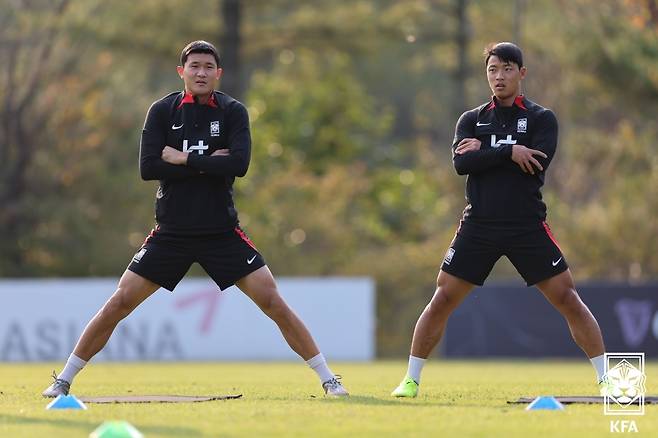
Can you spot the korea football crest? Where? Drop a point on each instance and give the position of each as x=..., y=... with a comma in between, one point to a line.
x=214, y=128
x=522, y=125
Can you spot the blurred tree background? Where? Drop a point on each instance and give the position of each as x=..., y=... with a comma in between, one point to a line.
x=353, y=106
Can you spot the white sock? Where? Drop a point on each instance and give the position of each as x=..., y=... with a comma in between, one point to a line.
x=72, y=367
x=415, y=367
x=599, y=365
x=319, y=364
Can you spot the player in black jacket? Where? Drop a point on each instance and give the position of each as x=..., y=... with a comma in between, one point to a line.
x=195, y=142
x=505, y=147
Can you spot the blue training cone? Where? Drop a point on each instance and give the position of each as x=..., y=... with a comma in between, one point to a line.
x=116, y=429
x=546, y=403
x=66, y=402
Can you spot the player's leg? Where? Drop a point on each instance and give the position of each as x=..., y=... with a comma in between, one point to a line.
x=467, y=263
x=560, y=291
x=450, y=291
x=232, y=258
x=538, y=258
x=132, y=290
x=261, y=288
x=162, y=261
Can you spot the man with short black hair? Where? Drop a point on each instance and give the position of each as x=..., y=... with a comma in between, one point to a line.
x=196, y=142
x=505, y=147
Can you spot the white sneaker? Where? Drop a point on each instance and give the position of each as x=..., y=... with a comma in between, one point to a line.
x=58, y=387
x=333, y=388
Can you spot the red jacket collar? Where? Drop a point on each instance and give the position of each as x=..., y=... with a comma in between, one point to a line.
x=518, y=101
x=188, y=98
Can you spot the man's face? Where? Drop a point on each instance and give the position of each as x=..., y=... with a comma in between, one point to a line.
x=504, y=78
x=200, y=73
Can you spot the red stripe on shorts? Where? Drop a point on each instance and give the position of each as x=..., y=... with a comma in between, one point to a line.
x=459, y=227
x=151, y=234
x=550, y=235
x=244, y=237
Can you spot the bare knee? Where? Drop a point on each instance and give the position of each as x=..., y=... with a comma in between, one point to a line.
x=274, y=306
x=441, y=303
x=568, y=301
x=118, y=306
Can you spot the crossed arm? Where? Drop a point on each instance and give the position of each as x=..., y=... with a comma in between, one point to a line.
x=160, y=161
x=468, y=158
x=179, y=158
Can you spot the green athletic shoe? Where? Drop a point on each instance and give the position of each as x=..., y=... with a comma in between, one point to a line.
x=605, y=387
x=407, y=388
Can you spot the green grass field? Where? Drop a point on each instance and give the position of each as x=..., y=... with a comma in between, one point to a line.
x=458, y=399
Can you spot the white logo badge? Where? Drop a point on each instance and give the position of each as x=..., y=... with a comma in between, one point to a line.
x=214, y=128
x=174, y=127
x=197, y=147
x=495, y=144
x=522, y=125
x=482, y=124
x=137, y=257
x=448, y=257
x=251, y=260
x=624, y=374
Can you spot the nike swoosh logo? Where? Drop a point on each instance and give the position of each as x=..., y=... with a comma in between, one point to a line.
x=556, y=261
x=251, y=260
x=177, y=127
x=482, y=124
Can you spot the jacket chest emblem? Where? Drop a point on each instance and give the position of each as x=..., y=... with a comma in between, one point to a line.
x=214, y=128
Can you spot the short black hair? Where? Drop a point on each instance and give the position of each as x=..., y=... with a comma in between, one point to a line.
x=506, y=52
x=199, y=46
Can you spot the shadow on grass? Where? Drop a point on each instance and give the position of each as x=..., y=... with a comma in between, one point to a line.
x=370, y=400
x=402, y=402
x=362, y=400
x=89, y=426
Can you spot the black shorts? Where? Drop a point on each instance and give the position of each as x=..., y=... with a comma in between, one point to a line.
x=531, y=248
x=226, y=257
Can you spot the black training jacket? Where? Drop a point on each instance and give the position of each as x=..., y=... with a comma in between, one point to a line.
x=497, y=190
x=196, y=198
